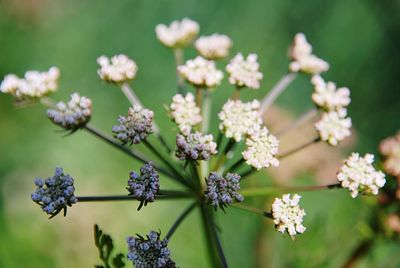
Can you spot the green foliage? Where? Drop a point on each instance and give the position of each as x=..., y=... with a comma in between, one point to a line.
x=104, y=243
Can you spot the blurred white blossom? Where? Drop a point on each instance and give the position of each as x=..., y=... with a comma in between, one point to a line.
x=237, y=118
x=213, y=47
x=184, y=112
x=261, y=148
x=201, y=72
x=34, y=85
x=302, y=58
x=327, y=96
x=244, y=72
x=178, y=33
x=287, y=215
x=118, y=69
x=333, y=127
x=359, y=175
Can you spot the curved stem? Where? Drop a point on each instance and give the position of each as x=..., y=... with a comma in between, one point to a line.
x=297, y=149
x=264, y=191
x=176, y=224
x=279, y=87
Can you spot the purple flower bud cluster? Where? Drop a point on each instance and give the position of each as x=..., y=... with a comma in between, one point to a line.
x=135, y=127
x=195, y=146
x=71, y=115
x=149, y=252
x=145, y=186
x=221, y=191
x=55, y=193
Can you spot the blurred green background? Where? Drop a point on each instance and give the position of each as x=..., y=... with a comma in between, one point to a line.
x=360, y=39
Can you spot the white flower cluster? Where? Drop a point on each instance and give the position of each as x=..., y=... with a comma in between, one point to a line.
x=303, y=59
x=73, y=114
x=237, y=118
x=244, y=72
x=333, y=127
x=261, y=148
x=120, y=68
x=213, y=47
x=287, y=215
x=184, y=112
x=359, y=176
x=34, y=85
x=201, y=72
x=327, y=97
x=178, y=33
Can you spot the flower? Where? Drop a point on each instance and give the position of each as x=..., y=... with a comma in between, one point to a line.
x=136, y=126
x=71, y=115
x=118, y=69
x=213, y=47
x=145, y=186
x=390, y=149
x=238, y=117
x=178, y=34
x=244, y=72
x=287, y=215
x=201, y=72
x=303, y=60
x=150, y=251
x=195, y=146
x=327, y=97
x=55, y=193
x=34, y=85
x=184, y=112
x=221, y=191
x=333, y=127
x=261, y=148
x=359, y=176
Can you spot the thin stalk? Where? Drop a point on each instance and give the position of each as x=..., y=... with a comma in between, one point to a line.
x=247, y=173
x=209, y=234
x=218, y=245
x=162, y=195
x=179, y=58
x=298, y=122
x=167, y=163
x=264, y=191
x=236, y=94
x=199, y=98
x=206, y=110
x=253, y=210
x=237, y=165
x=223, y=155
x=277, y=90
x=299, y=148
x=176, y=224
x=134, y=99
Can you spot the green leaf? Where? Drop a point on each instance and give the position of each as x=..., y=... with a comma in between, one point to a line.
x=105, y=246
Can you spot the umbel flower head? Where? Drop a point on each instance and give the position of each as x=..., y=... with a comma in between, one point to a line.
x=287, y=215
x=178, y=34
x=55, y=193
x=327, y=97
x=221, y=191
x=244, y=72
x=118, y=69
x=184, y=112
x=201, y=73
x=390, y=149
x=333, y=127
x=303, y=59
x=145, y=186
x=213, y=47
x=149, y=251
x=237, y=118
x=359, y=175
x=135, y=127
x=33, y=86
x=71, y=115
x=195, y=146
x=261, y=148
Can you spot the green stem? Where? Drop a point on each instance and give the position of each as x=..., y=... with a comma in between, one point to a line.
x=299, y=148
x=161, y=195
x=176, y=224
x=179, y=58
x=236, y=94
x=253, y=210
x=264, y=191
x=206, y=110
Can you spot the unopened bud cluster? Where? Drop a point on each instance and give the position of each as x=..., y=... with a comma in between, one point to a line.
x=195, y=146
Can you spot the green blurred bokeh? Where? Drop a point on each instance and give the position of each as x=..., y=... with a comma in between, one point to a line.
x=360, y=39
